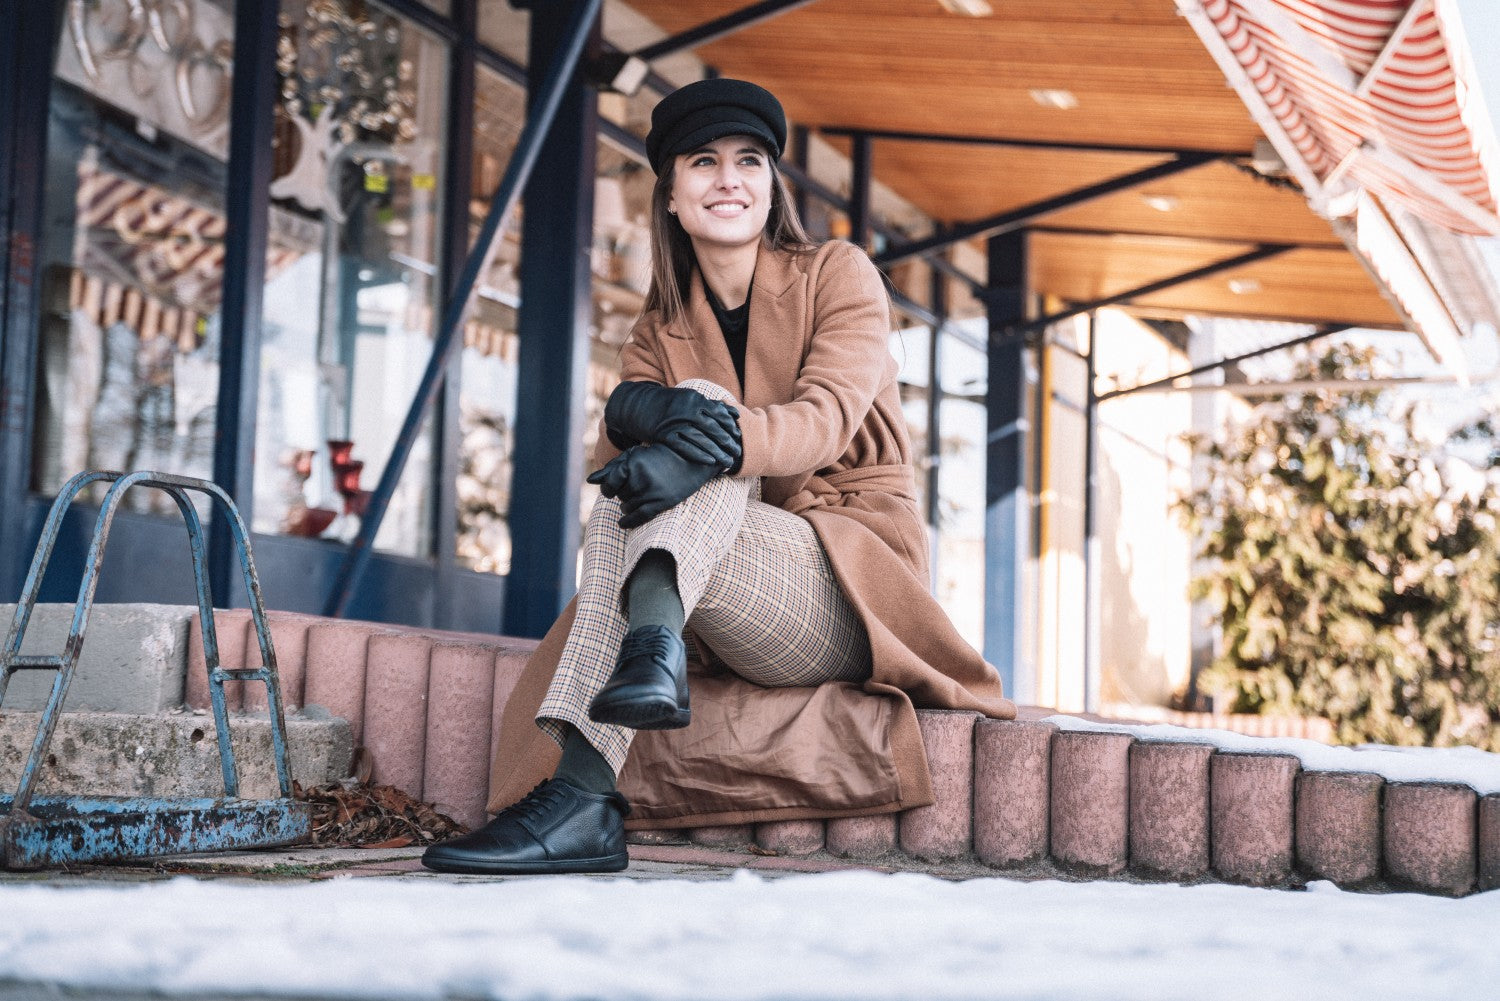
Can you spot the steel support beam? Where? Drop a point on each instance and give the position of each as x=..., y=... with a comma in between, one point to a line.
x=1010, y=143
x=560, y=56
x=860, y=162
x=1093, y=592
x=1316, y=335
x=713, y=30
x=1008, y=519
x=1150, y=288
x=1019, y=218
x=938, y=296
x=553, y=327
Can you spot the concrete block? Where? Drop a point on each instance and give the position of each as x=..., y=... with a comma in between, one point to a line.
x=790, y=837
x=172, y=755
x=862, y=837
x=1012, y=764
x=336, y=656
x=230, y=628
x=1251, y=815
x=1169, y=809
x=944, y=829
x=289, y=643
x=1430, y=836
x=132, y=661
x=456, y=768
x=1090, y=801
x=730, y=837
x=396, y=709
x=1489, y=842
x=1338, y=826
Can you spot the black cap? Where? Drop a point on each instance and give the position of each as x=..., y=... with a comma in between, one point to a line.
x=712, y=109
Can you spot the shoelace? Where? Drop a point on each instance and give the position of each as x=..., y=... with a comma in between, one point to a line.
x=530, y=806
x=655, y=643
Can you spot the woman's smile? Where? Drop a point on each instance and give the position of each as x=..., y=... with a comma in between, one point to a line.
x=721, y=193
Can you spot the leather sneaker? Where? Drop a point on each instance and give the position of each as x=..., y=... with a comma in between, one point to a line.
x=555, y=828
x=648, y=690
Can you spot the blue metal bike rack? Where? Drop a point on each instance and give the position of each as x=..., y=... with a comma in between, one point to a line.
x=57, y=830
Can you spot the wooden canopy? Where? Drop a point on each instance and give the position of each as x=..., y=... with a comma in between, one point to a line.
x=972, y=117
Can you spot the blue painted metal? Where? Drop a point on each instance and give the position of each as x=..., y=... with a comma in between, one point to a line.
x=553, y=328
x=560, y=74
x=861, y=160
x=1008, y=519
x=81, y=833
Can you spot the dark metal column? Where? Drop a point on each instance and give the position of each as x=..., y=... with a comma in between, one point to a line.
x=1092, y=592
x=247, y=205
x=556, y=307
x=26, y=57
x=938, y=301
x=861, y=160
x=1008, y=522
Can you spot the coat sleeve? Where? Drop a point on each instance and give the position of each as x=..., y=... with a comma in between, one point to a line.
x=638, y=363
x=848, y=362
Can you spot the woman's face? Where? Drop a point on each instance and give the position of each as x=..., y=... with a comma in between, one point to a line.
x=721, y=192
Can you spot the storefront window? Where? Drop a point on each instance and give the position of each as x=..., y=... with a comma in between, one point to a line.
x=134, y=246
x=351, y=296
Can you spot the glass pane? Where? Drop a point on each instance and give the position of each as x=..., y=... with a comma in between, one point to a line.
x=133, y=251
x=961, y=485
x=351, y=272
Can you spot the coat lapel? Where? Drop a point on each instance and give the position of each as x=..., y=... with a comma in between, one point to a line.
x=773, y=355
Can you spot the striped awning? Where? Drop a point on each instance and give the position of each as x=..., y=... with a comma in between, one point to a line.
x=1373, y=96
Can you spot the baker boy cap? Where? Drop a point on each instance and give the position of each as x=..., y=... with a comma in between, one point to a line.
x=708, y=110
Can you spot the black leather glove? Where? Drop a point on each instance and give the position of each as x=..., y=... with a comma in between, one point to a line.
x=684, y=420
x=650, y=479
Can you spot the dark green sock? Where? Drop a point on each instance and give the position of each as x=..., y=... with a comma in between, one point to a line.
x=582, y=765
x=651, y=597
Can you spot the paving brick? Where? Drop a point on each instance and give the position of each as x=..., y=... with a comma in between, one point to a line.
x=790, y=837
x=509, y=663
x=336, y=657
x=289, y=643
x=132, y=659
x=460, y=691
x=1169, y=809
x=1090, y=801
x=1012, y=764
x=1430, y=836
x=654, y=837
x=1338, y=826
x=230, y=625
x=728, y=836
x=396, y=709
x=1251, y=814
x=944, y=830
x=862, y=837
x=1489, y=842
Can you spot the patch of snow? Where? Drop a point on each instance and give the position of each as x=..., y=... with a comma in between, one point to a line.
x=849, y=935
x=1464, y=765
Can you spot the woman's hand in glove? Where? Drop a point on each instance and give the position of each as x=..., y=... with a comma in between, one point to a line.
x=649, y=480
x=689, y=423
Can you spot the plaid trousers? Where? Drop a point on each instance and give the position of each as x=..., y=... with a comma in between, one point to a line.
x=755, y=584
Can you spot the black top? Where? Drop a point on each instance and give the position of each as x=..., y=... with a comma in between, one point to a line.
x=735, y=325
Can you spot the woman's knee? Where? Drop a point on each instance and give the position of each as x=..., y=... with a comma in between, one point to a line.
x=712, y=390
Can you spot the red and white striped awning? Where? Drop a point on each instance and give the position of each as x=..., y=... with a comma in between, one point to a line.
x=1370, y=95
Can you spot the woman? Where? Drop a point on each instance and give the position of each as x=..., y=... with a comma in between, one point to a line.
x=758, y=489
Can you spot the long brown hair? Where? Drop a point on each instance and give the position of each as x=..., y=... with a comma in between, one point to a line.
x=672, y=258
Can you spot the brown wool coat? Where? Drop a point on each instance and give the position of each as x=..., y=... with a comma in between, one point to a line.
x=820, y=414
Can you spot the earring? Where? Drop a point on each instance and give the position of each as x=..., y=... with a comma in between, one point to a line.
x=671, y=210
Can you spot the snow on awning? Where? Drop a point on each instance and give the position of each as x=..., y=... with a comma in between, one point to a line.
x=1366, y=95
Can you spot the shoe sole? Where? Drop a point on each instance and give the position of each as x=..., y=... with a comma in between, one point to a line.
x=641, y=715
x=609, y=863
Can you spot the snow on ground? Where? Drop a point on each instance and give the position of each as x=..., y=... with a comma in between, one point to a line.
x=1466, y=765
x=847, y=935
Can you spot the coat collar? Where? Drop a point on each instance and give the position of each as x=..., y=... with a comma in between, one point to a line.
x=774, y=352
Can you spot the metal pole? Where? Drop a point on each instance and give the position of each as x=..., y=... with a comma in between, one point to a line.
x=1092, y=591
x=1318, y=334
x=860, y=162
x=516, y=173
x=938, y=298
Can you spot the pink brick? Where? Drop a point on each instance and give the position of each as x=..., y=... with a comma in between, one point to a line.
x=862, y=837
x=336, y=656
x=1338, y=826
x=289, y=642
x=944, y=829
x=1090, y=801
x=396, y=709
x=1169, y=809
x=1012, y=764
x=1251, y=813
x=509, y=663
x=229, y=629
x=1430, y=834
x=1489, y=842
x=460, y=692
x=729, y=837
x=790, y=837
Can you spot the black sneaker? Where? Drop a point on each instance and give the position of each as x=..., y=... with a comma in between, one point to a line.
x=648, y=690
x=555, y=828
